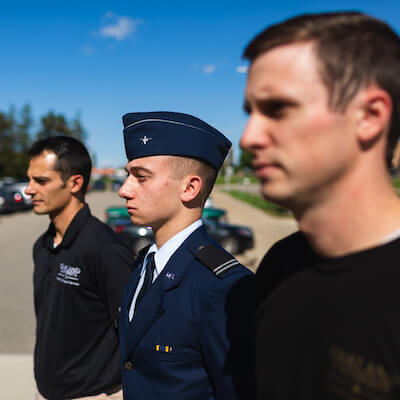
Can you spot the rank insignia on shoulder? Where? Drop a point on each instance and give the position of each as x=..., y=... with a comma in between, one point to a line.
x=163, y=349
x=216, y=259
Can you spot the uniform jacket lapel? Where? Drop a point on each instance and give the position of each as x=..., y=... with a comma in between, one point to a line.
x=152, y=304
x=130, y=289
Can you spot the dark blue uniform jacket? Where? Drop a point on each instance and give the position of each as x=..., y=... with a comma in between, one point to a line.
x=192, y=336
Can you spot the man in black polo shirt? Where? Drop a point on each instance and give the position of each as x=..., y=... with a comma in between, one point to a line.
x=80, y=271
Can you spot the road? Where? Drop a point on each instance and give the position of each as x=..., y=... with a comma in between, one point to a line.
x=17, y=234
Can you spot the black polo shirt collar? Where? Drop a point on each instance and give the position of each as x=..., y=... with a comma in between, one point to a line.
x=71, y=233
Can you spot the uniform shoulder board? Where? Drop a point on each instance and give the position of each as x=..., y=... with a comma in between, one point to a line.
x=216, y=259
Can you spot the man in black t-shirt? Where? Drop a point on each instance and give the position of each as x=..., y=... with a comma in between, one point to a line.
x=323, y=96
x=80, y=272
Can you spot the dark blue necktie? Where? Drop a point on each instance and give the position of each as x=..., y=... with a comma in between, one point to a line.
x=148, y=277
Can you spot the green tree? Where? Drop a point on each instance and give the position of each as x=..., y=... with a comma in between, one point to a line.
x=76, y=127
x=14, y=141
x=22, y=137
x=53, y=124
x=7, y=153
x=23, y=128
x=245, y=160
x=16, y=136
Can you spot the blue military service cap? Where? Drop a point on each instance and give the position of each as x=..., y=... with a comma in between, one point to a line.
x=175, y=134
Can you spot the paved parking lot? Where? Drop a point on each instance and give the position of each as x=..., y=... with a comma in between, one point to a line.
x=17, y=234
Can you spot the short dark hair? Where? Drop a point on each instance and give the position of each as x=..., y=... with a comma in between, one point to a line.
x=354, y=50
x=72, y=157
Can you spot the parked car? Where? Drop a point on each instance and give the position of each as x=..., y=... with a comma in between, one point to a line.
x=234, y=238
x=116, y=184
x=134, y=237
x=6, y=180
x=97, y=185
x=20, y=187
x=214, y=213
x=116, y=213
x=11, y=200
x=120, y=212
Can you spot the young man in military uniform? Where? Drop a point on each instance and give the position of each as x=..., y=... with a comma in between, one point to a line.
x=323, y=96
x=187, y=318
x=80, y=271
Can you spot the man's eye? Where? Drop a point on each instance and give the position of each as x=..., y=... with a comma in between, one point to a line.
x=275, y=109
x=139, y=177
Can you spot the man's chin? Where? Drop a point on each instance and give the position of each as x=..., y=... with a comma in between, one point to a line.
x=39, y=211
x=138, y=222
x=276, y=197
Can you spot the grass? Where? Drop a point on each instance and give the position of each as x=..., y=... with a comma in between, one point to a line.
x=236, y=179
x=257, y=201
x=396, y=183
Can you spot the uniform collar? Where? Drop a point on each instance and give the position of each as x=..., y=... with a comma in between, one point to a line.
x=71, y=233
x=164, y=253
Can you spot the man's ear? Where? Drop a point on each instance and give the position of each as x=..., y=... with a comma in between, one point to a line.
x=192, y=188
x=76, y=183
x=375, y=110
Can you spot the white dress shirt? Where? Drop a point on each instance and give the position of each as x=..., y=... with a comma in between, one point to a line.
x=162, y=256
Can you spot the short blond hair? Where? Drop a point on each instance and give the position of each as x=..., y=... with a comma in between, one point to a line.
x=183, y=166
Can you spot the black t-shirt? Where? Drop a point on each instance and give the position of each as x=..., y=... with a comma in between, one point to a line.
x=77, y=289
x=328, y=328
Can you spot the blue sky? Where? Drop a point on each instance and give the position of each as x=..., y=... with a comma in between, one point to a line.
x=106, y=58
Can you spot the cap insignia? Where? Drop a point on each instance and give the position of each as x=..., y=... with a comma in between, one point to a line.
x=145, y=139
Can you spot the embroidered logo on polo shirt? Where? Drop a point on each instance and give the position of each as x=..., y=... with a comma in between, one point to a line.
x=69, y=275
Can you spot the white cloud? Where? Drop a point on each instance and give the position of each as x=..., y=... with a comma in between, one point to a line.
x=120, y=27
x=209, y=69
x=242, y=69
x=87, y=50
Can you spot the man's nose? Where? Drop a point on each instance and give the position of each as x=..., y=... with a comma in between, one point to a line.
x=125, y=191
x=255, y=134
x=28, y=190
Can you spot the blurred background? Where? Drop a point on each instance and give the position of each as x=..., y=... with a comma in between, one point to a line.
x=74, y=68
